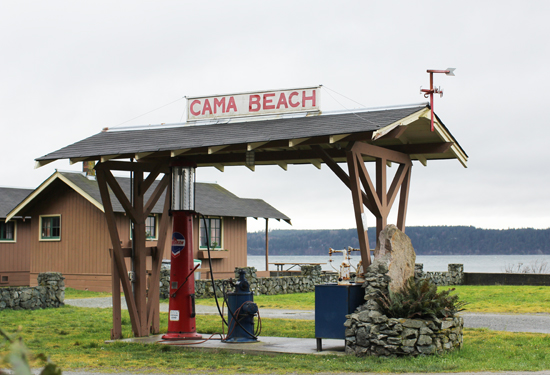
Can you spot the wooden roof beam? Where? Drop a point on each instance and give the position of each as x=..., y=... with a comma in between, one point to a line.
x=254, y=145
x=76, y=160
x=141, y=155
x=336, y=138
x=421, y=158
x=219, y=167
x=175, y=153
x=283, y=165
x=395, y=133
x=105, y=158
x=295, y=142
x=316, y=163
x=422, y=148
x=214, y=149
x=41, y=163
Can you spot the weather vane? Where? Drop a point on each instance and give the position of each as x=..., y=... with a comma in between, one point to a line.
x=435, y=90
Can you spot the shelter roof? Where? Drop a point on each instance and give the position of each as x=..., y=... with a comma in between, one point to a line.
x=10, y=197
x=281, y=140
x=211, y=199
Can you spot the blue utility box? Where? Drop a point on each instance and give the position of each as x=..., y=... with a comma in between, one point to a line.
x=332, y=303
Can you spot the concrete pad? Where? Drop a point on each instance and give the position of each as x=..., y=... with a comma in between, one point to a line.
x=264, y=345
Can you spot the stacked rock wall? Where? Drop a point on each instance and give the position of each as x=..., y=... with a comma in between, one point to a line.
x=311, y=275
x=50, y=292
x=454, y=275
x=369, y=332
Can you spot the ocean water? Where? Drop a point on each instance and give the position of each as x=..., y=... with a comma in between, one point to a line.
x=472, y=263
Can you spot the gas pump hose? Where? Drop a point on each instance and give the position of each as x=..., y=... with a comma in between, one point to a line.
x=214, y=286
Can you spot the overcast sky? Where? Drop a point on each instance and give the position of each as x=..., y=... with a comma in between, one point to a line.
x=68, y=69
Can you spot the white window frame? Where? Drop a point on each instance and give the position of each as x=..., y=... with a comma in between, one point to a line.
x=14, y=232
x=40, y=238
x=156, y=237
x=208, y=218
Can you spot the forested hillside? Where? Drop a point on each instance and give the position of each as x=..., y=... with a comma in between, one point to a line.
x=441, y=240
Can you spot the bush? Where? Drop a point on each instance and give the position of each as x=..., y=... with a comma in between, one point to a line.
x=420, y=300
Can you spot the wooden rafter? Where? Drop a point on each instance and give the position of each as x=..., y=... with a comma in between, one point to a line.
x=380, y=197
x=340, y=173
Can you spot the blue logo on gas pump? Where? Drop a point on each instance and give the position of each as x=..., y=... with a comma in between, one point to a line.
x=178, y=244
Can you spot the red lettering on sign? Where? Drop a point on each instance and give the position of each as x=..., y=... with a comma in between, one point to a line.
x=254, y=100
x=219, y=103
x=282, y=101
x=206, y=107
x=195, y=113
x=231, y=105
x=293, y=105
x=268, y=101
x=304, y=98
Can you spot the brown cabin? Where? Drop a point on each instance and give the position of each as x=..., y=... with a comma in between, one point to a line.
x=65, y=230
x=15, y=236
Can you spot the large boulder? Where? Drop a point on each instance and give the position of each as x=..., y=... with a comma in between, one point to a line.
x=395, y=248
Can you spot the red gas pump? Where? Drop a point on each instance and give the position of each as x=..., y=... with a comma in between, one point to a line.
x=181, y=320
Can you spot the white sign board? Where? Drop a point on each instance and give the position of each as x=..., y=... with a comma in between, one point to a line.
x=254, y=104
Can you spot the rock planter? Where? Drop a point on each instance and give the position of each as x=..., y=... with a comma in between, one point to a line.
x=371, y=333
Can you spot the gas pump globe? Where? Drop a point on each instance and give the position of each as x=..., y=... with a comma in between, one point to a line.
x=181, y=319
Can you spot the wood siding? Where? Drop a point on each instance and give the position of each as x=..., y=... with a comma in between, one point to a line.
x=14, y=256
x=82, y=253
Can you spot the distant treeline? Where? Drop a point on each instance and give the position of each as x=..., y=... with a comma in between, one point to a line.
x=460, y=240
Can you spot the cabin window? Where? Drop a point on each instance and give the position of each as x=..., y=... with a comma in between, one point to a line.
x=50, y=228
x=214, y=226
x=7, y=231
x=151, y=228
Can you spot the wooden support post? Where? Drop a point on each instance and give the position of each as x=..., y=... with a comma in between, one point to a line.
x=382, y=220
x=267, y=244
x=140, y=259
x=116, y=331
x=355, y=187
x=404, y=201
x=153, y=298
x=117, y=251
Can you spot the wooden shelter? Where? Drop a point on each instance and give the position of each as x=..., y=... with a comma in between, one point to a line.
x=383, y=136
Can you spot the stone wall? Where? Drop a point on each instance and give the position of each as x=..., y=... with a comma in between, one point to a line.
x=454, y=275
x=50, y=292
x=371, y=333
x=310, y=276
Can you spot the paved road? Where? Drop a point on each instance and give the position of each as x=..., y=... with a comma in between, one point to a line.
x=538, y=323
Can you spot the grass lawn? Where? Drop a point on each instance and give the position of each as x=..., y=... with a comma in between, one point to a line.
x=74, y=339
x=71, y=293
x=492, y=298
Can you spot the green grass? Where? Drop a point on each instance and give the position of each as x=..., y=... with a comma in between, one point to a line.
x=74, y=338
x=505, y=298
x=71, y=293
x=492, y=298
x=297, y=301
